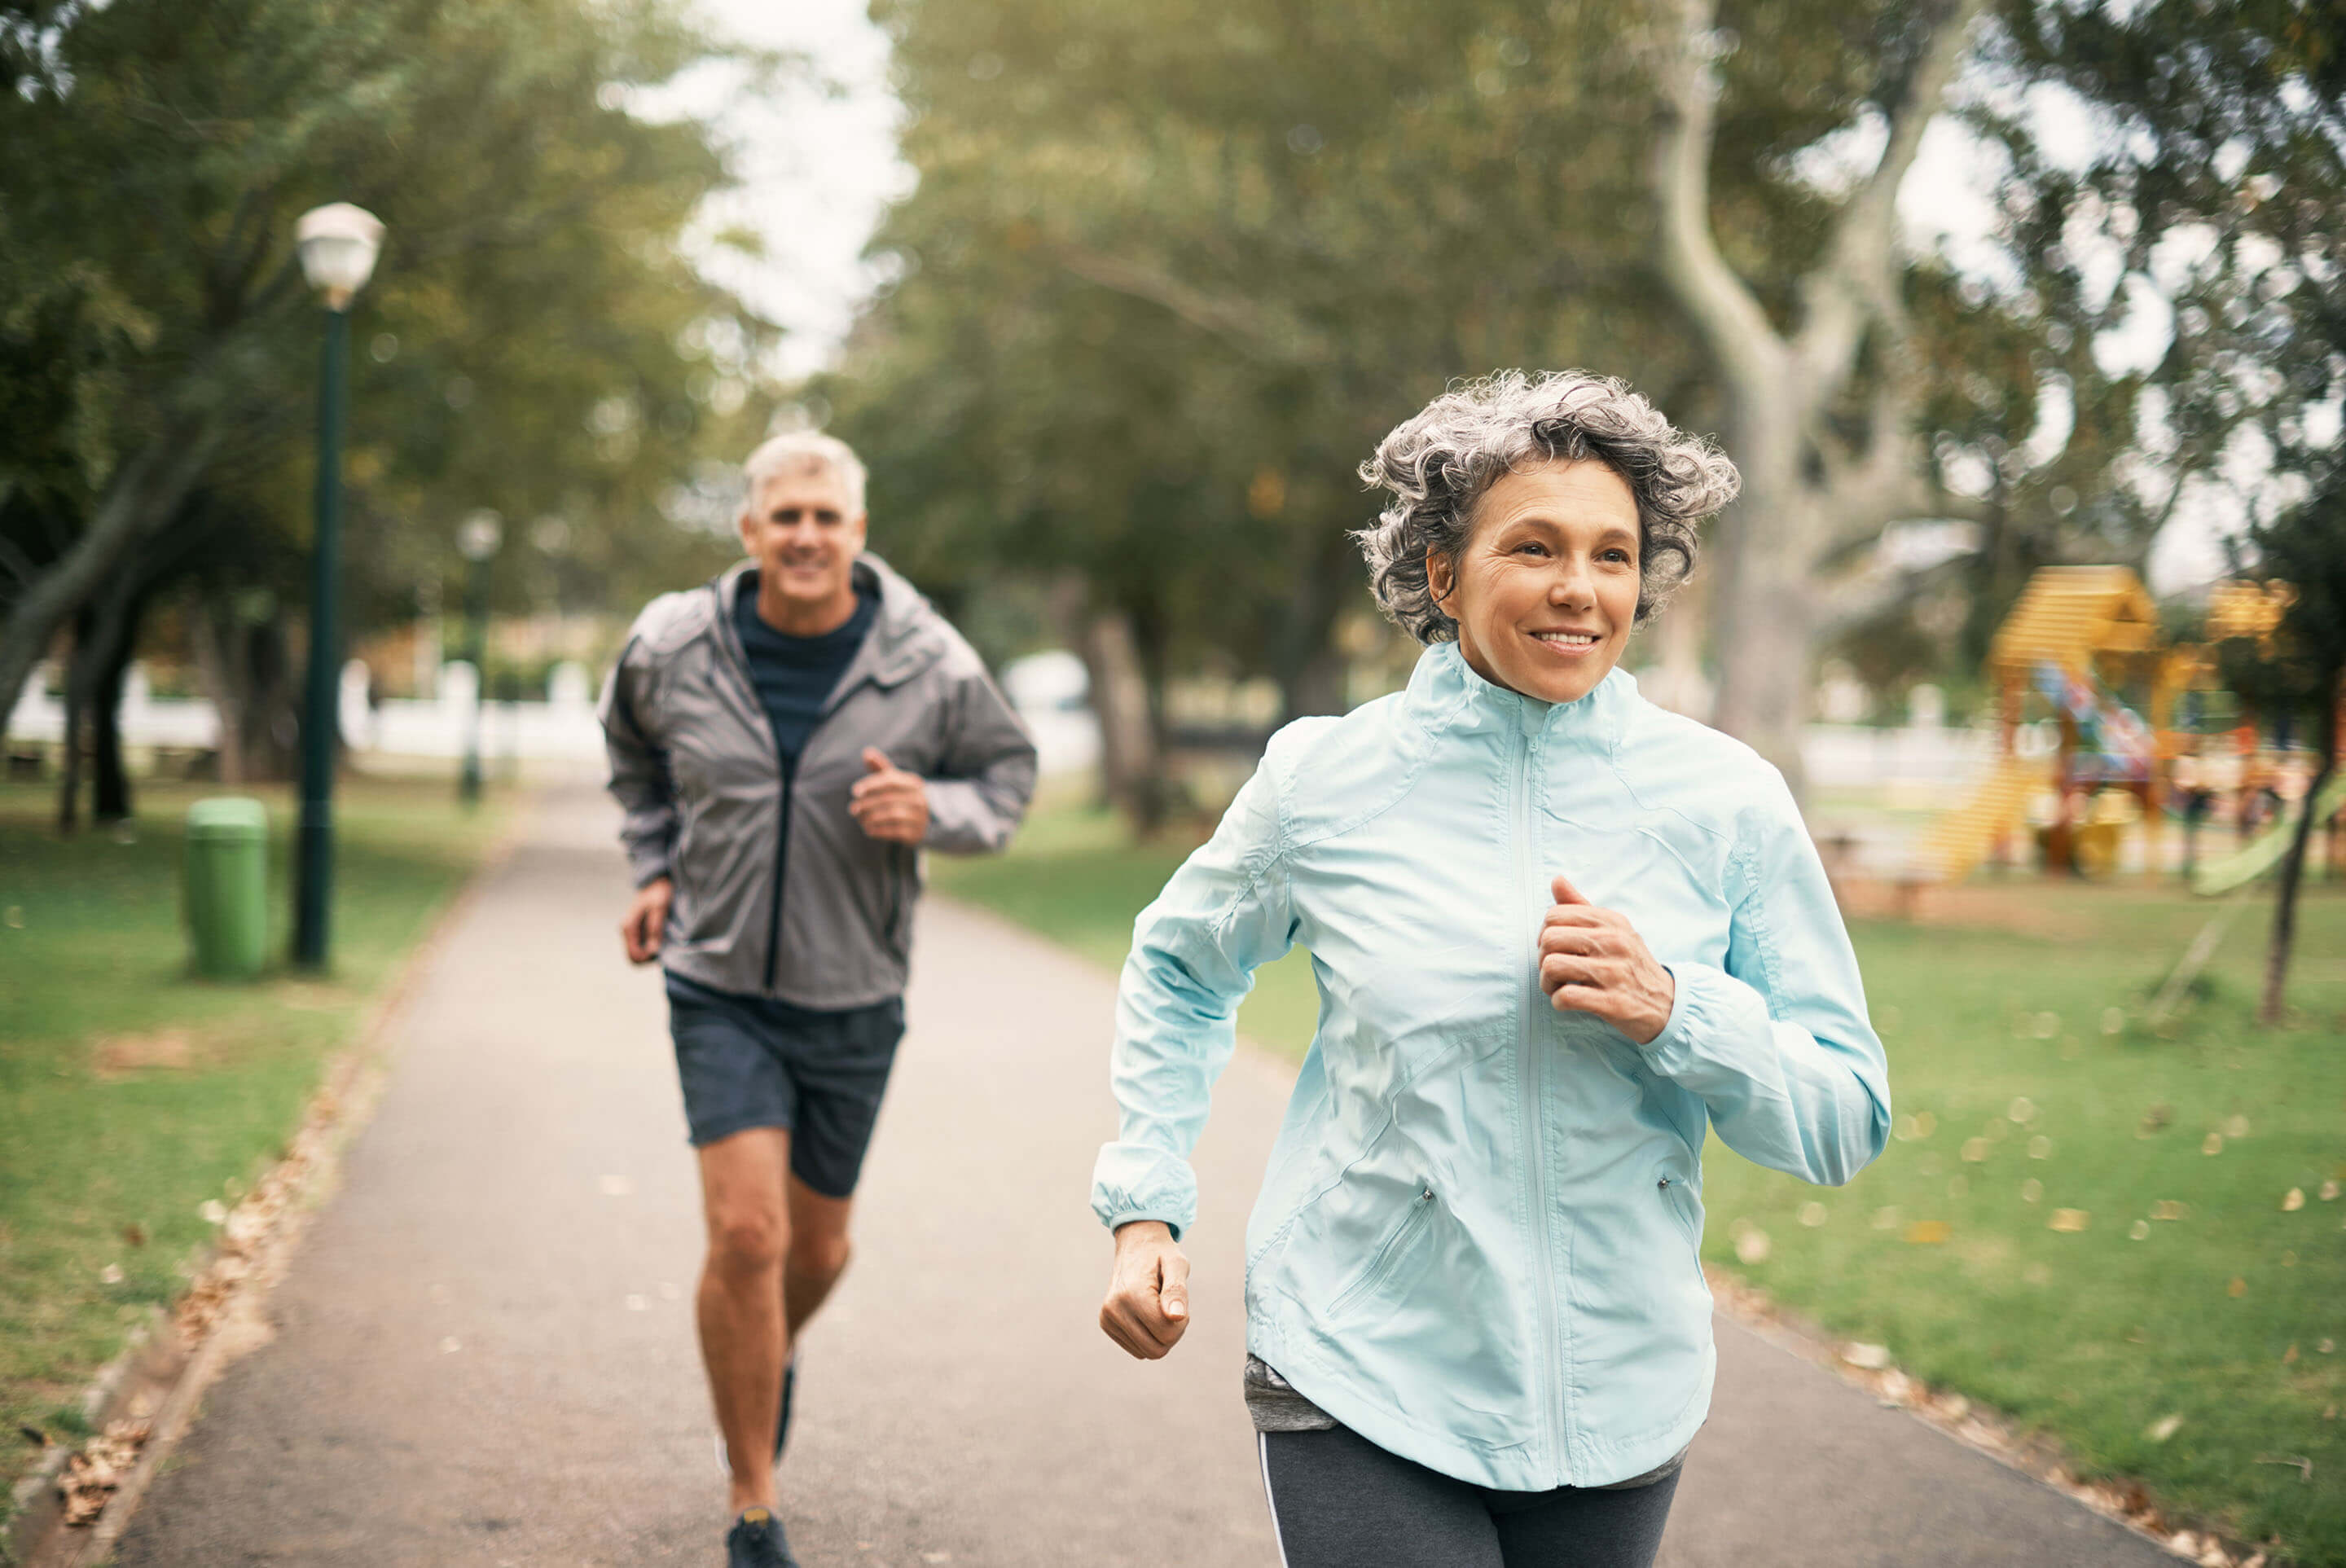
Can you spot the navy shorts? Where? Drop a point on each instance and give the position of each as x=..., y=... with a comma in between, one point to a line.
x=747, y=1061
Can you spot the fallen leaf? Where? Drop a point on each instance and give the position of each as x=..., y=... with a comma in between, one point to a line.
x=2048, y=1025
x=2213, y=1143
x=110, y=1275
x=2154, y=1121
x=213, y=1211
x=2328, y=1190
x=2288, y=1357
x=2113, y=1020
x=2031, y=1190
x=2169, y=1208
x=1927, y=1233
x=2140, y=1231
x=135, y=1235
x=2293, y=1200
x=1974, y=1149
x=2235, y=1127
x=2040, y=1148
x=1871, y=1357
x=2070, y=1220
x=2238, y=1288
x=2022, y=1110
x=2163, y=1428
x=2327, y=1347
x=1814, y=1215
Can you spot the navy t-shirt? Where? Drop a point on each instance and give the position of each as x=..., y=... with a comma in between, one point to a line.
x=794, y=675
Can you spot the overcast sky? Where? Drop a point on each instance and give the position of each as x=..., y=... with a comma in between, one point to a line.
x=818, y=171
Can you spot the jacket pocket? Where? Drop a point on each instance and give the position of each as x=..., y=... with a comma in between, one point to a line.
x=1386, y=1263
x=1678, y=1198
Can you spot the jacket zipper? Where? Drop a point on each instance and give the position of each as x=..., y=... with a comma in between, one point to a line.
x=1388, y=1257
x=1530, y=1063
x=788, y=768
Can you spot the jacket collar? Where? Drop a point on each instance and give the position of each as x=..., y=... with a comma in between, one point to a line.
x=1444, y=692
x=904, y=640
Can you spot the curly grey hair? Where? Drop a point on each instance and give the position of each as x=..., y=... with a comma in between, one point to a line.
x=1438, y=464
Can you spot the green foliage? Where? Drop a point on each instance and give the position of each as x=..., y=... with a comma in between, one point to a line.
x=534, y=337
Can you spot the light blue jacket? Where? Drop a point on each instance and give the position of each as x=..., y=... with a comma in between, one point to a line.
x=1475, y=1244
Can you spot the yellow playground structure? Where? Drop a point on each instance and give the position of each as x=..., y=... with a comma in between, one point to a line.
x=2079, y=635
x=2084, y=639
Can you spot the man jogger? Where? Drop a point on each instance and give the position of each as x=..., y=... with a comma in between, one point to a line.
x=786, y=740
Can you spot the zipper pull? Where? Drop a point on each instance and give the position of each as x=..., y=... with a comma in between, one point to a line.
x=1664, y=1184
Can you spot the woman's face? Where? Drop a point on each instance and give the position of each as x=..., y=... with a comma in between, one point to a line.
x=1546, y=588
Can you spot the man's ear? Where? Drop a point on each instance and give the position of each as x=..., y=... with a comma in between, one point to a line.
x=747, y=529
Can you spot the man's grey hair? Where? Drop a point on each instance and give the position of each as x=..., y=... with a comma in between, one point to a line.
x=1438, y=464
x=805, y=452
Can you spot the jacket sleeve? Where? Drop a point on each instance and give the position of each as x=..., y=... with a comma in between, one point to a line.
x=639, y=775
x=1776, y=1044
x=985, y=775
x=1225, y=913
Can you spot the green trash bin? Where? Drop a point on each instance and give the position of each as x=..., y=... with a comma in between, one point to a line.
x=227, y=886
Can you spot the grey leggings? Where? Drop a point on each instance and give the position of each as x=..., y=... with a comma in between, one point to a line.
x=1338, y=1500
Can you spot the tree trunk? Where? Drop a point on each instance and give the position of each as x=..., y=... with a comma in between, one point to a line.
x=2292, y=866
x=247, y=673
x=1762, y=602
x=110, y=778
x=1130, y=762
x=143, y=495
x=1311, y=667
x=77, y=694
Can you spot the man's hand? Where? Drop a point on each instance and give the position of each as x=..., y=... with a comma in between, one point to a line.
x=888, y=802
x=1592, y=961
x=647, y=919
x=1147, y=1305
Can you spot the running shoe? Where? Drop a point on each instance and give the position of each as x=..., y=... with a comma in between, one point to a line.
x=756, y=1541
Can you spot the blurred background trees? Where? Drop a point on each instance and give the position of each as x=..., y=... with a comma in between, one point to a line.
x=1169, y=274
x=536, y=339
x=1166, y=276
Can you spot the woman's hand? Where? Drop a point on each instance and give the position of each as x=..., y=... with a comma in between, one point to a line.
x=1592, y=961
x=1147, y=1305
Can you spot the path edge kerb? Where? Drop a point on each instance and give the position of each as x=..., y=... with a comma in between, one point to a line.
x=161, y=1369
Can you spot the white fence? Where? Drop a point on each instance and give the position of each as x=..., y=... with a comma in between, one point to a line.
x=1930, y=765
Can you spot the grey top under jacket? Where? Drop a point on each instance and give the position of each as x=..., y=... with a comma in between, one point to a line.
x=1275, y=1406
x=779, y=894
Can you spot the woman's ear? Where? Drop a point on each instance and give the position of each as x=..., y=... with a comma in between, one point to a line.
x=1439, y=579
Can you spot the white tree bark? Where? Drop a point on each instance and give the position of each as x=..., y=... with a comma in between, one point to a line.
x=1806, y=491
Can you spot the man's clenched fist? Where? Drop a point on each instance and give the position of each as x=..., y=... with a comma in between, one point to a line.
x=647, y=919
x=888, y=802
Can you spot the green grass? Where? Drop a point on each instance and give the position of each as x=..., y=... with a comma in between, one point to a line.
x=2092, y=1336
x=130, y=1094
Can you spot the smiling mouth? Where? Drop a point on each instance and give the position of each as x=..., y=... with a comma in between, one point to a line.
x=1569, y=641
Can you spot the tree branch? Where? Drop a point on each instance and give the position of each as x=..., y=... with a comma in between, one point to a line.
x=1859, y=276
x=1254, y=331
x=1727, y=313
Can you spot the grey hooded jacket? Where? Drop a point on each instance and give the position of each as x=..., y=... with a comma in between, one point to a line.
x=779, y=894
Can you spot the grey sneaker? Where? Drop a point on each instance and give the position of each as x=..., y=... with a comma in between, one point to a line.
x=756, y=1541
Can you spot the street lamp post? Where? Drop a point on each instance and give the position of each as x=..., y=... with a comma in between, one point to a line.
x=476, y=541
x=338, y=244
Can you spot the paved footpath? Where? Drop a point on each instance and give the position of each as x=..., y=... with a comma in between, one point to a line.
x=484, y=1350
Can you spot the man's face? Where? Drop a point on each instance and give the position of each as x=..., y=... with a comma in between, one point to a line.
x=798, y=529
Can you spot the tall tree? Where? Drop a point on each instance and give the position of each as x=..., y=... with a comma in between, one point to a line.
x=524, y=343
